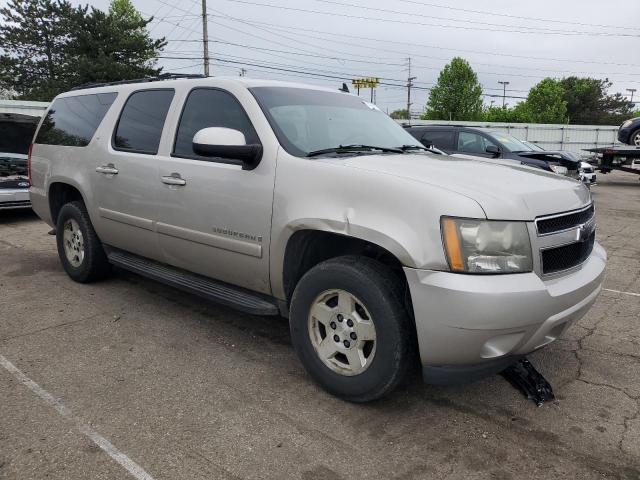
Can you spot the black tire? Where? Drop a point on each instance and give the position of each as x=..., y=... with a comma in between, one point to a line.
x=94, y=266
x=635, y=137
x=381, y=292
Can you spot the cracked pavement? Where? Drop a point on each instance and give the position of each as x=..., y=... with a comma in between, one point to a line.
x=190, y=390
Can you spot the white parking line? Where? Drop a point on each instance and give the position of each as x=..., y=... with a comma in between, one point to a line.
x=623, y=293
x=132, y=467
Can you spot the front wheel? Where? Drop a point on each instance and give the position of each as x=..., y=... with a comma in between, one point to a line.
x=634, y=138
x=79, y=247
x=350, y=328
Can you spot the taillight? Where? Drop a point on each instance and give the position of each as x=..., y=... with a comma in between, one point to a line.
x=29, y=162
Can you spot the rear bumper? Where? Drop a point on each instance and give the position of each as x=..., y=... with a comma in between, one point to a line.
x=12, y=198
x=470, y=326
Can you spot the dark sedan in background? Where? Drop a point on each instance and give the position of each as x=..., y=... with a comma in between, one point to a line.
x=629, y=132
x=487, y=143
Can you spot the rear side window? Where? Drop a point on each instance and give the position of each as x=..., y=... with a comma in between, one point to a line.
x=206, y=107
x=141, y=121
x=72, y=121
x=442, y=139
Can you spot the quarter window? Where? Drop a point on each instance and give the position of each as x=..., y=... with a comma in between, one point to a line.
x=206, y=107
x=72, y=121
x=141, y=121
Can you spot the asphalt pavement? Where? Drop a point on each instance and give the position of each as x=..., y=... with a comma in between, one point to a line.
x=130, y=379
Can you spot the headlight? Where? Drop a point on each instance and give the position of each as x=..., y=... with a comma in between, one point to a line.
x=484, y=246
x=626, y=123
x=559, y=169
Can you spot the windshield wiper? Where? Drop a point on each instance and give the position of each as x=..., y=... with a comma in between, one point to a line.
x=353, y=148
x=404, y=148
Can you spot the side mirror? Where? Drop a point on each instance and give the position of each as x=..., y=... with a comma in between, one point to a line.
x=227, y=143
x=493, y=150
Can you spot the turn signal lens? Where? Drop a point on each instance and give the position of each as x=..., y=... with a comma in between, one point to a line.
x=452, y=244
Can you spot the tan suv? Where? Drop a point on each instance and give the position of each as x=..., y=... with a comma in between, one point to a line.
x=285, y=199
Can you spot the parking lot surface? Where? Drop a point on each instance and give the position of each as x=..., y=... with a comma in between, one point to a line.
x=180, y=388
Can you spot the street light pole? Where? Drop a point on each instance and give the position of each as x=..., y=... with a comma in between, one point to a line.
x=504, y=92
x=205, y=39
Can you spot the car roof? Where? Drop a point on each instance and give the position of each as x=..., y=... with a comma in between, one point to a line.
x=159, y=83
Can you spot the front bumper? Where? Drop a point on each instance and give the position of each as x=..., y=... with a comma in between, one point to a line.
x=470, y=326
x=12, y=198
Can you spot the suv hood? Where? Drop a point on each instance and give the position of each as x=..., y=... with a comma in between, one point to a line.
x=504, y=191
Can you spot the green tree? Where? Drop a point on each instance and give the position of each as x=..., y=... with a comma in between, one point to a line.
x=115, y=45
x=518, y=114
x=545, y=102
x=400, y=114
x=457, y=95
x=49, y=46
x=588, y=102
x=34, y=39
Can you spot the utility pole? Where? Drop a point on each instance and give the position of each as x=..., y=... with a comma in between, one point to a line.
x=243, y=72
x=205, y=38
x=632, y=90
x=409, y=85
x=504, y=92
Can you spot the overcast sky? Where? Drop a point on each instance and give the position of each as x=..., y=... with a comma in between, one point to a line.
x=518, y=42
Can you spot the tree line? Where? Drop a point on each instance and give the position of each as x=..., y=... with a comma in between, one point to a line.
x=50, y=46
x=458, y=96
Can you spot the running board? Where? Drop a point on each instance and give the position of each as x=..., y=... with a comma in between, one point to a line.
x=218, y=292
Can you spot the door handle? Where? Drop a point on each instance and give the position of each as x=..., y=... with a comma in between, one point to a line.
x=108, y=169
x=174, y=179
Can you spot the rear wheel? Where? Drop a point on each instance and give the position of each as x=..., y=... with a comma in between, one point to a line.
x=79, y=247
x=634, y=138
x=350, y=328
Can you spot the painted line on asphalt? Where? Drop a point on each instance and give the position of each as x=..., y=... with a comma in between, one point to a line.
x=132, y=467
x=623, y=293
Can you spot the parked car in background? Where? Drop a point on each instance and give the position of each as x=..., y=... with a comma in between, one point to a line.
x=587, y=174
x=14, y=181
x=629, y=132
x=493, y=144
x=285, y=199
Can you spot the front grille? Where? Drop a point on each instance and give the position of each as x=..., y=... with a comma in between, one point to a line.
x=21, y=203
x=564, y=222
x=568, y=256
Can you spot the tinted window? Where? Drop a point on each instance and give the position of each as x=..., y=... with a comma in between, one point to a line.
x=72, y=121
x=440, y=138
x=140, y=126
x=210, y=108
x=469, y=142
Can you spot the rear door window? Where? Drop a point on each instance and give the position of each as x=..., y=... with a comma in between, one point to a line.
x=442, y=139
x=208, y=107
x=141, y=121
x=72, y=121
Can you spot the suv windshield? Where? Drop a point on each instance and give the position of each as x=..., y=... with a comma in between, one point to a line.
x=510, y=142
x=307, y=120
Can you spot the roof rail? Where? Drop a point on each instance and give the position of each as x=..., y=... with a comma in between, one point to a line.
x=162, y=76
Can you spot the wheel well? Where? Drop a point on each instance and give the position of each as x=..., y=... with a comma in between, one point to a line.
x=59, y=195
x=307, y=248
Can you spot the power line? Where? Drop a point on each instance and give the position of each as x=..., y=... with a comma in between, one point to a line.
x=432, y=17
x=422, y=45
x=407, y=22
x=507, y=15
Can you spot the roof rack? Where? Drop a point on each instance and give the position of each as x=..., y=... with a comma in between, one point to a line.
x=162, y=76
